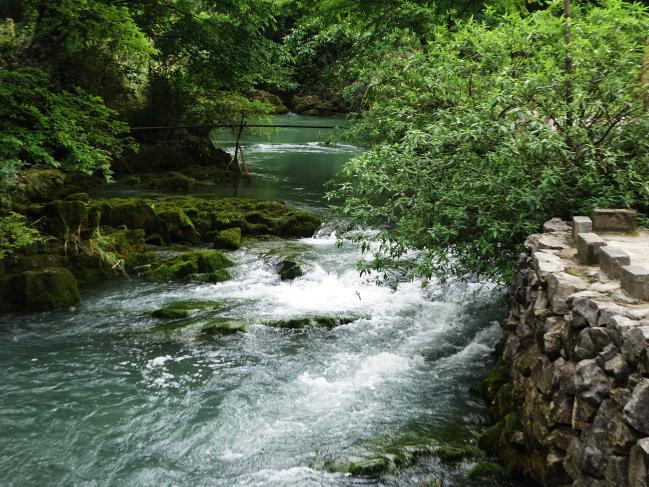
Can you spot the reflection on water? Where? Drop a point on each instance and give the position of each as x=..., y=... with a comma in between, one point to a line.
x=288, y=164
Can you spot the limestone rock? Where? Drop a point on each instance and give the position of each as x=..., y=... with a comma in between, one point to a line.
x=634, y=342
x=555, y=473
x=560, y=287
x=590, y=342
x=583, y=413
x=591, y=382
x=616, y=470
x=572, y=461
x=546, y=263
x=553, y=337
x=556, y=225
x=595, y=440
x=564, y=373
x=552, y=242
x=636, y=411
x=639, y=464
x=620, y=436
x=617, y=367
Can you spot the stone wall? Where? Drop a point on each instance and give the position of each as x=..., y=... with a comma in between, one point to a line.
x=572, y=384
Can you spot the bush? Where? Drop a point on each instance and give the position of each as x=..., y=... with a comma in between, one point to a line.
x=15, y=233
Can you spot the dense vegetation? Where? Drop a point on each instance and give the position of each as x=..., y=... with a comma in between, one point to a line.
x=481, y=120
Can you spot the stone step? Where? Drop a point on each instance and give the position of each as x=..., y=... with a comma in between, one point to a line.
x=588, y=245
x=613, y=220
x=581, y=224
x=611, y=259
x=634, y=280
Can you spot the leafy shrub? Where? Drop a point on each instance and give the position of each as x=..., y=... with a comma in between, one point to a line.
x=16, y=233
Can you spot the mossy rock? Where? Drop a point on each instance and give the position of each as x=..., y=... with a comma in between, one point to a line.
x=223, y=326
x=289, y=270
x=454, y=454
x=273, y=102
x=187, y=264
x=132, y=180
x=132, y=212
x=182, y=309
x=496, y=437
x=229, y=239
x=65, y=218
x=171, y=181
x=313, y=321
x=45, y=184
x=170, y=313
x=78, y=197
x=369, y=466
x=39, y=290
x=485, y=470
x=299, y=225
x=176, y=226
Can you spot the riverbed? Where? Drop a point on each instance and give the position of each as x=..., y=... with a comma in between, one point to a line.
x=88, y=397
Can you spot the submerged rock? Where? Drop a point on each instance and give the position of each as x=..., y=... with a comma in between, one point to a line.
x=289, y=270
x=314, y=321
x=403, y=453
x=223, y=326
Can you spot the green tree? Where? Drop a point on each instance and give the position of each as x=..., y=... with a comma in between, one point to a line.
x=475, y=143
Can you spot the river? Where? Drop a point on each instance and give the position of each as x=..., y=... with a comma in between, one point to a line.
x=88, y=399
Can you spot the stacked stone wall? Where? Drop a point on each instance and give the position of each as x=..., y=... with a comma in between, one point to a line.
x=573, y=381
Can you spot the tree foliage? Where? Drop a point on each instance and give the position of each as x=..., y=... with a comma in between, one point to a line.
x=482, y=135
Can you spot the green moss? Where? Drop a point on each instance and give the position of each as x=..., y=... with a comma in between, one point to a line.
x=171, y=181
x=484, y=470
x=132, y=180
x=176, y=226
x=185, y=265
x=300, y=224
x=223, y=326
x=290, y=270
x=170, y=313
x=229, y=239
x=369, y=466
x=495, y=438
x=39, y=290
x=313, y=320
x=453, y=454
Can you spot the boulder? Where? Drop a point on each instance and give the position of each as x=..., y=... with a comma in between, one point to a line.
x=639, y=464
x=556, y=225
x=209, y=263
x=289, y=270
x=636, y=411
x=39, y=290
x=590, y=382
x=229, y=239
x=560, y=287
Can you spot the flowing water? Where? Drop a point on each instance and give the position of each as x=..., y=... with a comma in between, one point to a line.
x=89, y=397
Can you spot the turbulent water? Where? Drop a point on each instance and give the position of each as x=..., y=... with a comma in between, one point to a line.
x=88, y=397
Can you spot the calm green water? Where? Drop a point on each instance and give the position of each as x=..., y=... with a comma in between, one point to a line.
x=89, y=397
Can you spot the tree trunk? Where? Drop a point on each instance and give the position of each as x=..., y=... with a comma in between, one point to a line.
x=568, y=66
x=644, y=76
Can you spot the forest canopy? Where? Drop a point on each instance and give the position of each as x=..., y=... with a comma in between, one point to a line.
x=480, y=119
